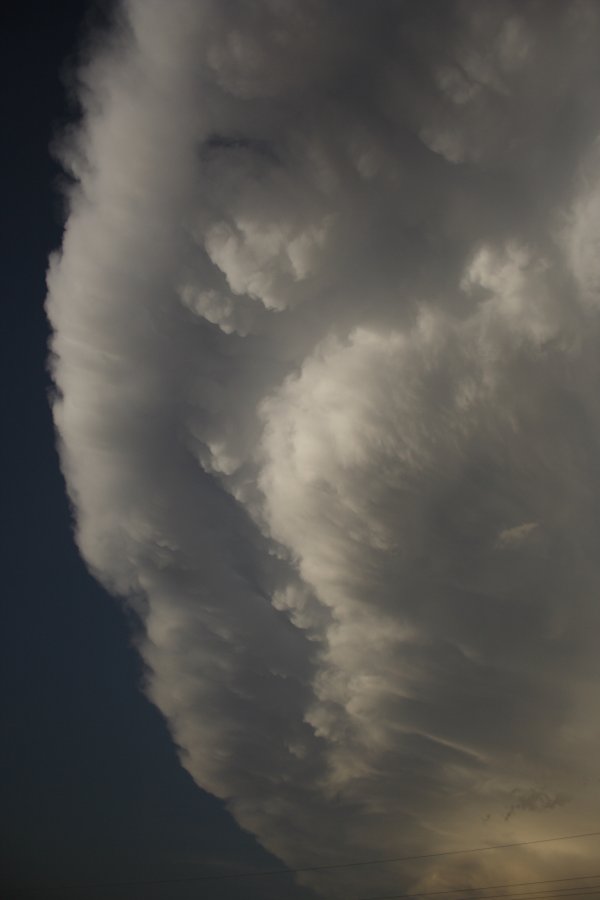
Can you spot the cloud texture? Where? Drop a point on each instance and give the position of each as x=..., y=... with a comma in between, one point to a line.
x=326, y=331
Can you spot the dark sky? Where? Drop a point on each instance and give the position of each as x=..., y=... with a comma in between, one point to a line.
x=92, y=790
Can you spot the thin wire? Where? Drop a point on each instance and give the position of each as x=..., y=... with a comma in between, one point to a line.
x=326, y=867
x=585, y=890
x=493, y=887
x=570, y=892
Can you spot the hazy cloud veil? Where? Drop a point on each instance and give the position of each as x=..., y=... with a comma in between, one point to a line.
x=326, y=347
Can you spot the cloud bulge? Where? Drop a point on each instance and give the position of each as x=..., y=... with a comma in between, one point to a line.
x=325, y=332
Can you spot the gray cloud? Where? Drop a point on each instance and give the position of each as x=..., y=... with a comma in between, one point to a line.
x=325, y=345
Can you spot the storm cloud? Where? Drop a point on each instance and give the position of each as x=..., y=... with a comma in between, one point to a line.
x=326, y=332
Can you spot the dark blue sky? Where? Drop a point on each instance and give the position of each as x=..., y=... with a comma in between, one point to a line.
x=92, y=790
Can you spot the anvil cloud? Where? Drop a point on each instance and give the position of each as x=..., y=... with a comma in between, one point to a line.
x=326, y=349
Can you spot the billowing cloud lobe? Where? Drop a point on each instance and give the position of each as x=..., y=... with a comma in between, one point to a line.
x=326, y=329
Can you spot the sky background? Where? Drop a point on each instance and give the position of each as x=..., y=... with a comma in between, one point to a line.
x=325, y=330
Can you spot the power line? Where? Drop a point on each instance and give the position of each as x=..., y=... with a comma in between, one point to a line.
x=494, y=887
x=571, y=892
x=585, y=890
x=325, y=867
